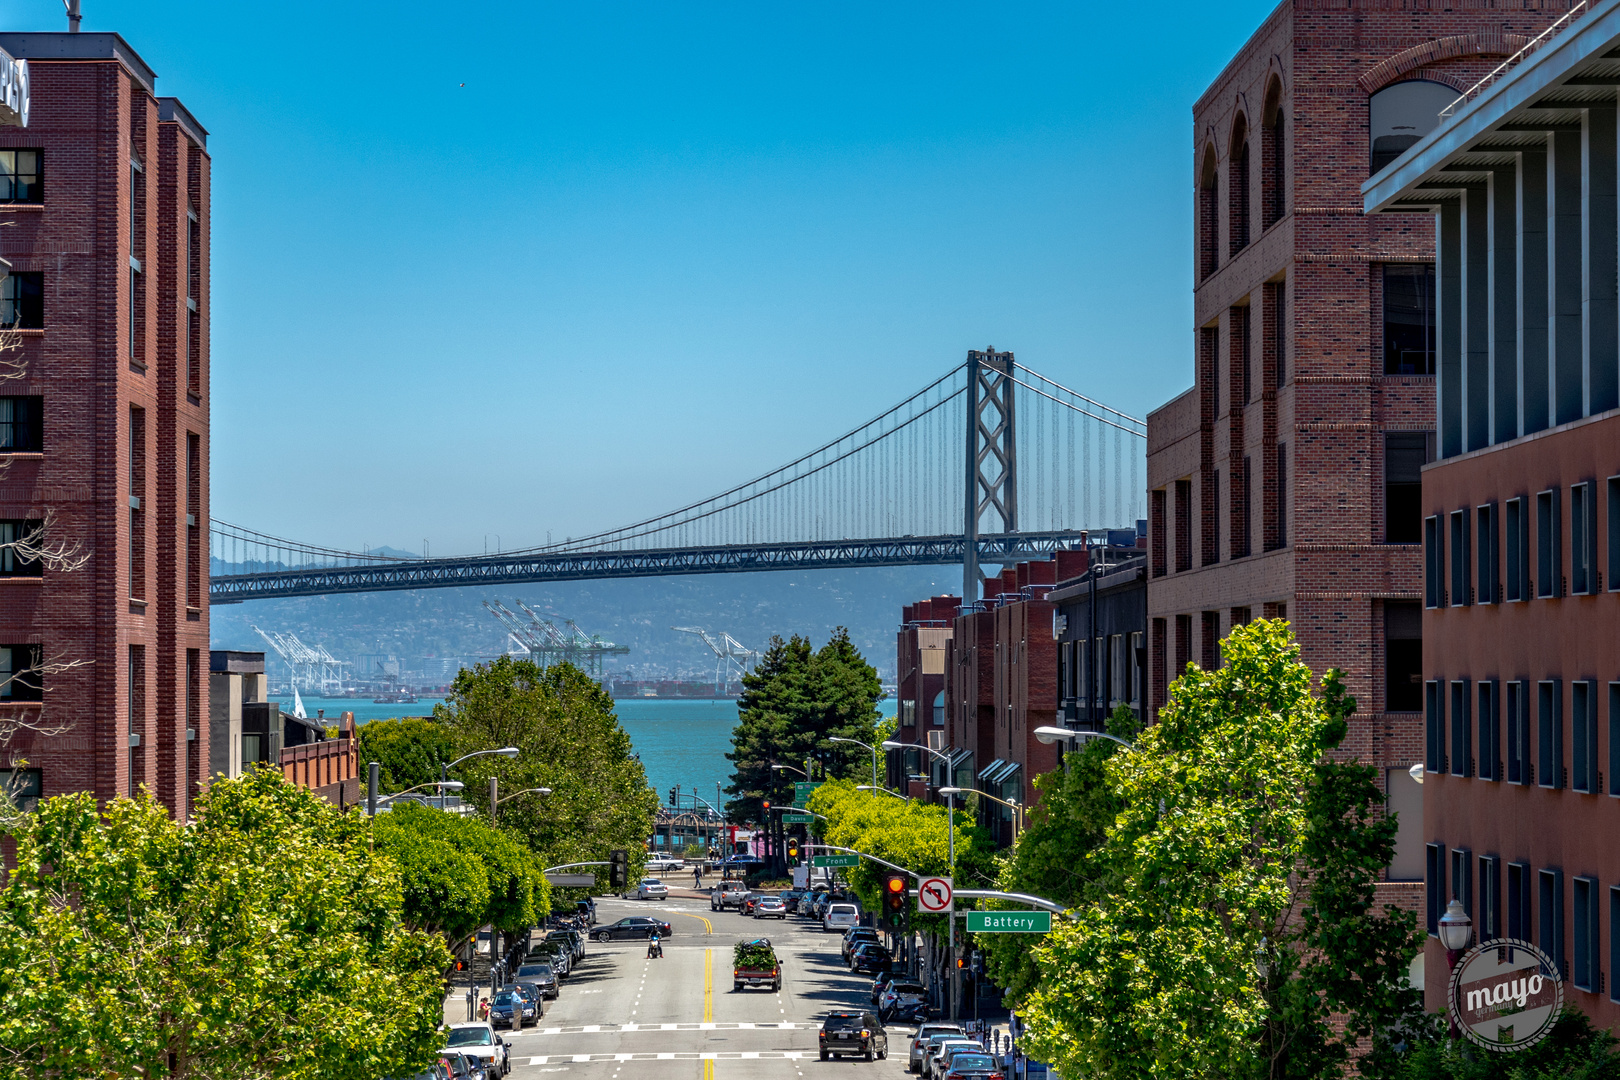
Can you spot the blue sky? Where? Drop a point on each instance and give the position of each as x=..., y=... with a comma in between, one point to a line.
x=503, y=269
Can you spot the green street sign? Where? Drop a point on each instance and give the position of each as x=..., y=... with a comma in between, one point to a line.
x=797, y=819
x=803, y=789
x=835, y=861
x=1009, y=922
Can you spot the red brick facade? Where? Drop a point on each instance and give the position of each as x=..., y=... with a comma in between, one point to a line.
x=120, y=239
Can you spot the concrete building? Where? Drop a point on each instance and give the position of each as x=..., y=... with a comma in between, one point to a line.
x=1521, y=511
x=245, y=730
x=104, y=424
x=1285, y=482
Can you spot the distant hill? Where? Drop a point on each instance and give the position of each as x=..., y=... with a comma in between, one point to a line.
x=437, y=630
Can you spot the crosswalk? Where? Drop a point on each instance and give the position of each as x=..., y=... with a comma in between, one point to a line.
x=620, y=1029
x=733, y=1055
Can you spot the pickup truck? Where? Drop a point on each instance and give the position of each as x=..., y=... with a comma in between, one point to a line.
x=754, y=963
x=728, y=894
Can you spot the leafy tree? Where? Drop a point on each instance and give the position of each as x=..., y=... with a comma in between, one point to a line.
x=459, y=873
x=1572, y=1050
x=261, y=940
x=1203, y=951
x=845, y=693
x=410, y=750
x=570, y=741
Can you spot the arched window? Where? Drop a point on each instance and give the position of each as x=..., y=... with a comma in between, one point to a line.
x=1238, y=188
x=1209, y=224
x=1400, y=115
x=939, y=709
x=1273, y=161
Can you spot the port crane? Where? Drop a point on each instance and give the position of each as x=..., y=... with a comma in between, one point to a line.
x=310, y=668
x=547, y=644
x=728, y=651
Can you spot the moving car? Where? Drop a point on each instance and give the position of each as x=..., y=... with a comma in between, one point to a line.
x=652, y=889
x=869, y=957
x=857, y=936
x=840, y=917
x=770, y=907
x=847, y=1032
x=542, y=976
x=478, y=1039
x=636, y=926
x=506, y=1005
x=727, y=894
x=919, y=1041
x=755, y=963
x=587, y=909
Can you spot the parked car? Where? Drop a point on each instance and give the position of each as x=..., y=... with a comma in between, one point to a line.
x=938, y=1056
x=635, y=926
x=460, y=1066
x=652, y=889
x=900, y=997
x=881, y=980
x=857, y=936
x=808, y=902
x=973, y=1067
x=870, y=957
x=586, y=908
x=506, y=1005
x=478, y=1038
x=919, y=1041
x=662, y=864
x=846, y=1032
x=840, y=917
x=542, y=977
x=572, y=938
x=555, y=953
x=770, y=907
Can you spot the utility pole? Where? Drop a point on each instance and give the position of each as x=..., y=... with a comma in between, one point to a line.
x=372, y=769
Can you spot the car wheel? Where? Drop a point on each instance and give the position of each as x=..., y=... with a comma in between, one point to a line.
x=824, y=1055
x=869, y=1055
x=736, y=988
x=603, y=935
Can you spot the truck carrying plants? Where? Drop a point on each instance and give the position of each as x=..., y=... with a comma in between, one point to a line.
x=754, y=963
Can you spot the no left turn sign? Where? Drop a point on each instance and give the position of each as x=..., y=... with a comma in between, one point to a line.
x=934, y=895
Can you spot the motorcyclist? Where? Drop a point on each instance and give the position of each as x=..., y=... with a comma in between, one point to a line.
x=655, y=948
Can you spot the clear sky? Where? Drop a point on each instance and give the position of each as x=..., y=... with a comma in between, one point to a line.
x=489, y=269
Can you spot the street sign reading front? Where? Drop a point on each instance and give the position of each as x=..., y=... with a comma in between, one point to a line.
x=934, y=895
x=1009, y=922
x=797, y=819
x=836, y=861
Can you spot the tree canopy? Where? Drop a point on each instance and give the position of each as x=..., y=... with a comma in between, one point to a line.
x=263, y=939
x=409, y=749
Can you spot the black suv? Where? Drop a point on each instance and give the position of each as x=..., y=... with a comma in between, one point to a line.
x=858, y=935
x=849, y=1032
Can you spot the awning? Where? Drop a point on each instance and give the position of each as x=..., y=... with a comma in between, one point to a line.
x=999, y=772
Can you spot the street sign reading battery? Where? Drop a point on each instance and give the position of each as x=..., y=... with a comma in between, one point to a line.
x=1009, y=922
x=934, y=895
x=836, y=861
x=797, y=819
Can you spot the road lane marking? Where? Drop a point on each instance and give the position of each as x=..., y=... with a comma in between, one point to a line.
x=708, y=985
x=648, y=1029
x=691, y=1055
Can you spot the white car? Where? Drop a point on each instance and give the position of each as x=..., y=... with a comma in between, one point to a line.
x=477, y=1039
x=652, y=889
x=840, y=917
x=662, y=863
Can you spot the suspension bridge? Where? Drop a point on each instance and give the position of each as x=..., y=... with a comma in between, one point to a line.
x=990, y=463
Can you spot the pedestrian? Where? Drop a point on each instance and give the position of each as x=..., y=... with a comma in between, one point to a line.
x=697, y=876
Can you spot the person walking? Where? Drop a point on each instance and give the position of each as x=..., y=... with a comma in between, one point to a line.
x=697, y=876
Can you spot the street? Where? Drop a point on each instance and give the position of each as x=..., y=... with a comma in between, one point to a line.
x=622, y=1015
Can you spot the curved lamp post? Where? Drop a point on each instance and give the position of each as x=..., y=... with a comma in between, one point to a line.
x=886, y=791
x=1050, y=735
x=1017, y=811
x=869, y=746
x=453, y=785
x=495, y=803
x=444, y=770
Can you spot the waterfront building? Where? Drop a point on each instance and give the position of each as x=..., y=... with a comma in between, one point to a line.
x=104, y=432
x=1521, y=511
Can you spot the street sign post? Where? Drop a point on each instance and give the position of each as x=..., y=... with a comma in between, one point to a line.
x=1009, y=922
x=802, y=790
x=797, y=819
x=832, y=862
x=935, y=895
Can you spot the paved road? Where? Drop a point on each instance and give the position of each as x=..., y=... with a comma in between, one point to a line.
x=624, y=1017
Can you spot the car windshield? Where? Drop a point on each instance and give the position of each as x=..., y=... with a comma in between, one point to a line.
x=844, y=1022
x=470, y=1037
x=534, y=969
x=506, y=998
x=908, y=988
x=651, y=881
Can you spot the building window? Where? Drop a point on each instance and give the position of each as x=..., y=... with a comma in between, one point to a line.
x=1434, y=714
x=1400, y=115
x=1238, y=189
x=22, y=300
x=1582, y=539
x=939, y=709
x=19, y=177
x=1614, y=738
x=1434, y=886
x=1184, y=557
x=1409, y=334
x=1518, y=901
x=1519, y=768
x=194, y=549
x=1433, y=564
x=1583, y=739
x=1548, y=549
x=137, y=504
x=1215, y=523
x=1588, y=960
x=1549, y=734
x=1614, y=939
x=1489, y=923
x=193, y=711
x=1614, y=535
x=1403, y=656
x=137, y=707
x=20, y=428
x=1241, y=516
x=22, y=673
x=1516, y=527
x=1161, y=557
x=1485, y=545
x=22, y=788
x=1550, y=912
x=19, y=548
x=1459, y=558
x=1490, y=741
x=1462, y=878
x=1462, y=729
x=1405, y=454
x=193, y=318
x=1275, y=183
x=1209, y=223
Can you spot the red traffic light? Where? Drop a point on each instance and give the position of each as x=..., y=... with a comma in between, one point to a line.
x=897, y=884
x=767, y=806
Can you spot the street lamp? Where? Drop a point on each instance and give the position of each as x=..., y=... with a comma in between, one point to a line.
x=1017, y=811
x=1455, y=931
x=494, y=804
x=950, y=793
x=1050, y=735
x=801, y=772
x=886, y=791
x=444, y=770
x=869, y=746
x=442, y=785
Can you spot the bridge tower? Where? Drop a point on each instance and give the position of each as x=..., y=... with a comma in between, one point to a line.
x=992, y=459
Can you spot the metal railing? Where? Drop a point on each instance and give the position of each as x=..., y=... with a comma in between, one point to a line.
x=1580, y=7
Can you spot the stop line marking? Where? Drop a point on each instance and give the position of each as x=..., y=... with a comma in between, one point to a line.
x=732, y=1055
x=631, y=1029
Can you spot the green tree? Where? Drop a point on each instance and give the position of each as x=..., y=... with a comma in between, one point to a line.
x=263, y=939
x=410, y=750
x=776, y=703
x=845, y=691
x=570, y=741
x=1572, y=1050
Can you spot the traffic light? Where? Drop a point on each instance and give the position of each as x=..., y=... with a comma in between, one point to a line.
x=793, y=849
x=894, y=894
x=767, y=810
x=618, y=868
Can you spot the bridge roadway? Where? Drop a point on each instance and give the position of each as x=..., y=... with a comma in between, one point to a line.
x=524, y=567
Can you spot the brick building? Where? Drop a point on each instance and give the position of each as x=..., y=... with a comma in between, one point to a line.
x=1285, y=481
x=1521, y=513
x=104, y=432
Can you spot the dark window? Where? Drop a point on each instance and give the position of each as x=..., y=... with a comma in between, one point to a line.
x=20, y=427
x=1183, y=525
x=1489, y=923
x=194, y=525
x=1161, y=564
x=22, y=787
x=1408, y=319
x=1434, y=562
x=1462, y=729
x=1282, y=495
x=1614, y=738
x=1239, y=190
x=1519, y=768
x=1582, y=539
x=1516, y=530
x=1403, y=656
x=1486, y=545
x=1276, y=181
x=1583, y=739
x=1548, y=571
x=21, y=673
x=1549, y=734
x=20, y=543
x=1240, y=516
x=1215, y=500
x=192, y=317
x=1405, y=454
x=1550, y=912
x=1588, y=964
x=1462, y=878
x=1460, y=549
x=19, y=177
x=1518, y=901
x=1614, y=939
x=22, y=300
x=1401, y=114
x=1434, y=883
x=1490, y=741
x=1614, y=535
x=137, y=504
x=1209, y=223
x=1434, y=742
